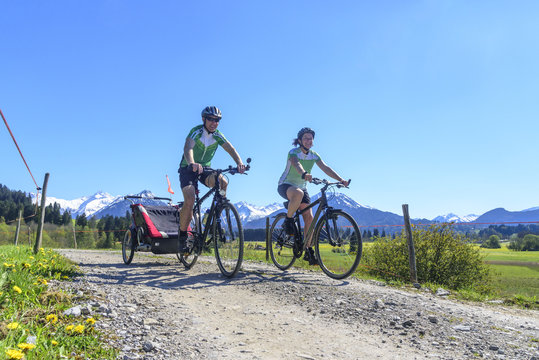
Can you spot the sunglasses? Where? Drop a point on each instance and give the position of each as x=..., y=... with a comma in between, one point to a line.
x=213, y=119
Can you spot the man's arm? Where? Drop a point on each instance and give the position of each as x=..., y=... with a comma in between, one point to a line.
x=188, y=155
x=235, y=156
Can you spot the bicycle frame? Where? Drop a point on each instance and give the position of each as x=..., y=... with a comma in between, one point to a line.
x=323, y=207
x=196, y=209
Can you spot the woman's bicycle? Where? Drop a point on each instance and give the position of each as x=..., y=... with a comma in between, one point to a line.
x=335, y=234
x=220, y=224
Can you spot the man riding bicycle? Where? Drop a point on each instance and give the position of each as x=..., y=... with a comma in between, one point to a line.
x=293, y=183
x=198, y=151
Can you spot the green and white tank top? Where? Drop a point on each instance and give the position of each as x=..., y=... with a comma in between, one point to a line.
x=291, y=175
x=205, y=145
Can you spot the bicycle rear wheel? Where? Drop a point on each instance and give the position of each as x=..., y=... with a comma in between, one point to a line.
x=338, y=244
x=228, y=239
x=128, y=248
x=281, y=246
x=189, y=260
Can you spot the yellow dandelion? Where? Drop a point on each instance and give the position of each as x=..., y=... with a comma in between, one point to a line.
x=90, y=321
x=69, y=327
x=13, y=325
x=17, y=289
x=79, y=329
x=65, y=277
x=31, y=257
x=14, y=354
x=25, y=346
x=54, y=342
x=52, y=318
x=26, y=265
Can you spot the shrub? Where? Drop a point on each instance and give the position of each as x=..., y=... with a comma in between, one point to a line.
x=493, y=242
x=442, y=257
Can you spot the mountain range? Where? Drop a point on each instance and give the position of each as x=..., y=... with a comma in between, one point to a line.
x=102, y=204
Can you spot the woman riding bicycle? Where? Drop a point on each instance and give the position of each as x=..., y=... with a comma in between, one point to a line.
x=293, y=183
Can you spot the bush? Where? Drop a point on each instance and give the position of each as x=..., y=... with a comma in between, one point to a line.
x=493, y=242
x=529, y=242
x=442, y=257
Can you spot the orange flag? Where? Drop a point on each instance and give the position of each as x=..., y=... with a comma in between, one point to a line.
x=169, y=187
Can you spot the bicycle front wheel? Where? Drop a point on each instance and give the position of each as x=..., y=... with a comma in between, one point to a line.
x=128, y=248
x=281, y=246
x=338, y=244
x=228, y=240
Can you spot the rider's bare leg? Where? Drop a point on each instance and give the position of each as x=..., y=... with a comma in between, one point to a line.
x=223, y=183
x=294, y=195
x=186, y=212
x=307, y=220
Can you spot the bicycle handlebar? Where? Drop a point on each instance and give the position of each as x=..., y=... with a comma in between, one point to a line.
x=318, y=181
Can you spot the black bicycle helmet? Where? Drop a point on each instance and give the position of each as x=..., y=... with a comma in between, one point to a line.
x=211, y=111
x=304, y=131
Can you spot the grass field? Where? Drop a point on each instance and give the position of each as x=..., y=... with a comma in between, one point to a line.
x=516, y=273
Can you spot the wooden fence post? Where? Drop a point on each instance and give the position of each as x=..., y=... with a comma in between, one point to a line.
x=74, y=236
x=18, y=227
x=267, y=239
x=411, y=248
x=37, y=245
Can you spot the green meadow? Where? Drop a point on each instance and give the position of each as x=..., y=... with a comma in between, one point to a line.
x=515, y=273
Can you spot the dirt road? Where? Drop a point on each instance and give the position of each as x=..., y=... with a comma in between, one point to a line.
x=158, y=310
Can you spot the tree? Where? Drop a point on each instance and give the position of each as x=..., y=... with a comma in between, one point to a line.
x=493, y=242
x=81, y=220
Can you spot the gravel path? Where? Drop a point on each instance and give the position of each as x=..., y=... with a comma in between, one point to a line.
x=155, y=309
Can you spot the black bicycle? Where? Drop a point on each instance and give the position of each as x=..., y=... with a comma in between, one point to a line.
x=335, y=234
x=220, y=224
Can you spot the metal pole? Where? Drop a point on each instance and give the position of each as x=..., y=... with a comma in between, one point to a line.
x=411, y=248
x=42, y=217
x=18, y=228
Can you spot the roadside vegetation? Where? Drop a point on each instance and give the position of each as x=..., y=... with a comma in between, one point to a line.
x=32, y=324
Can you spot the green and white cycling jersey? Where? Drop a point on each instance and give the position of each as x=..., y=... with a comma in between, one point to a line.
x=205, y=145
x=291, y=175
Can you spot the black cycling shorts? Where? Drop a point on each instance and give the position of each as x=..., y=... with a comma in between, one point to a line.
x=189, y=177
x=281, y=189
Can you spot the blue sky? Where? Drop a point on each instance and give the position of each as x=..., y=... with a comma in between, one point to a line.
x=429, y=103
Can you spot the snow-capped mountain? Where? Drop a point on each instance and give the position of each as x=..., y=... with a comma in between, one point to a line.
x=249, y=212
x=364, y=215
x=86, y=204
x=455, y=218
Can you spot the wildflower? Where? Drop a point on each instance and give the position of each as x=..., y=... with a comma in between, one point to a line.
x=14, y=354
x=90, y=321
x=52, y=318
x=65, y=277
x=54, y=342
x=26, y=265
x=25, y=346
x=13, y=325
x=31, y=257
x=17, y=289
x=79, y=329
x=69, y=327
